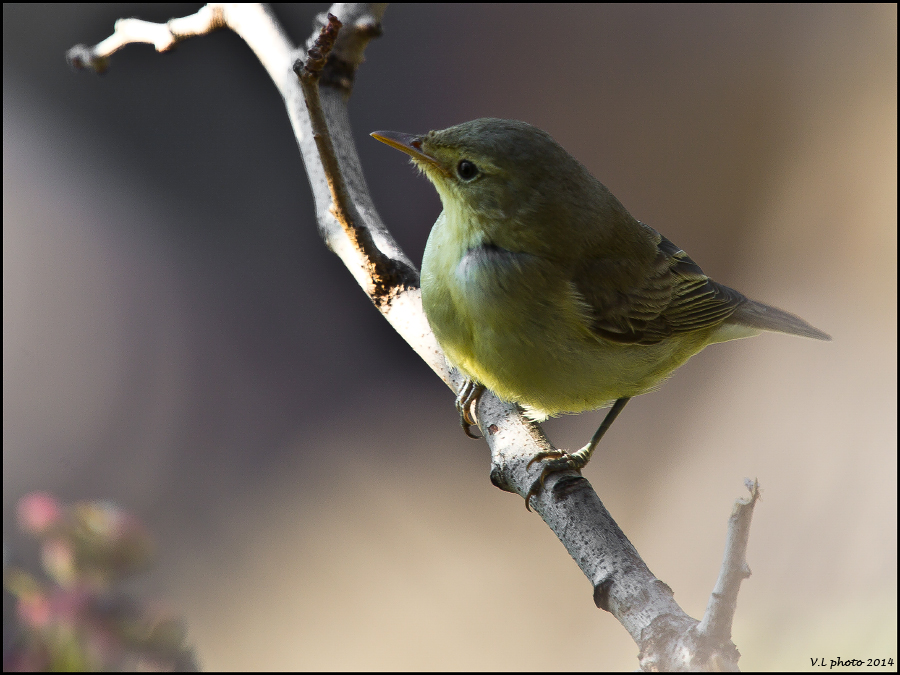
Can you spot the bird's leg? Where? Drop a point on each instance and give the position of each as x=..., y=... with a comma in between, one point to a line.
x=466, y=403
x=564, y=461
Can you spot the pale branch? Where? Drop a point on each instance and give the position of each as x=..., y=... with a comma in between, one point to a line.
x=707, y=645
x=131, y=31
x=719, y=615
x=351, y=227
x=387, y=277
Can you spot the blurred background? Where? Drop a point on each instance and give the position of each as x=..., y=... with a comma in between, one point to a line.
x=176, y=337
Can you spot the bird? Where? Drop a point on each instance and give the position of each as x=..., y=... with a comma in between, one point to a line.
x=540, y=285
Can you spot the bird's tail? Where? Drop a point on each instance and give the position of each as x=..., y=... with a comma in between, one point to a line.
x=756, y=315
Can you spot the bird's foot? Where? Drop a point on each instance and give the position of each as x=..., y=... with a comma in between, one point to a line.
x=466, y=404
x=558, y=460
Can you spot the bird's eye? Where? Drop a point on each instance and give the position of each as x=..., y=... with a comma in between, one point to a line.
x=466, y=170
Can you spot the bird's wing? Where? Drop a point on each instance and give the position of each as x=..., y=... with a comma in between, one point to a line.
x=650, y=302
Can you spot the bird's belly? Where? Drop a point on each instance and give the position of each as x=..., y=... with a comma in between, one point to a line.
x=557, y=371
x=506, y=321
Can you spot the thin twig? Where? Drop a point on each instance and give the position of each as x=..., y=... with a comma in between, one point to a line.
x=162, y=36
x=387, y=278
x=722, y=605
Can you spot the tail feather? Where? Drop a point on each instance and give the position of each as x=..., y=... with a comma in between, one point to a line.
x=756, y=315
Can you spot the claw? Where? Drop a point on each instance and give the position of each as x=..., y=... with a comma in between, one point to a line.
x=544, y=455
x=534, y=491
x=562, y=461
x=467, y=430
x=466, y=402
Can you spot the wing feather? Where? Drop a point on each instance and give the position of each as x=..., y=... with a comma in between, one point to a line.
x=635, y=303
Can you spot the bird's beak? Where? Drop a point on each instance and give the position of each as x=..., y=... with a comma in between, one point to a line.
x=410, y=144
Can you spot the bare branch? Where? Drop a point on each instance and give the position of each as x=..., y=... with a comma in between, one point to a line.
x=707, y=645
x=162, y=36
x=387, y=276
x=722, y=604
x=351, y=227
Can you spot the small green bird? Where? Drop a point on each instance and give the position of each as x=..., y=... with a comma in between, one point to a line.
x=539, y=285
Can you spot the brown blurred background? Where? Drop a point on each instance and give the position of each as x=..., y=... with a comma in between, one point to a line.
x=176, y=337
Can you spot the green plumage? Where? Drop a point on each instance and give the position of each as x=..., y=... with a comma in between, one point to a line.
x=540, y=285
